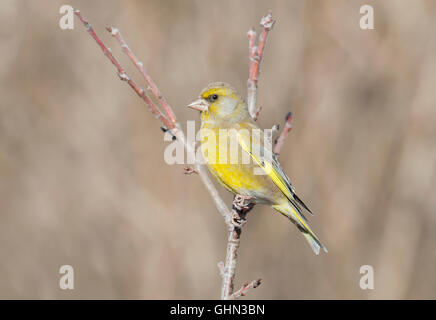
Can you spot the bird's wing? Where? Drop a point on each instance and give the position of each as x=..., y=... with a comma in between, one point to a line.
x=260, y=150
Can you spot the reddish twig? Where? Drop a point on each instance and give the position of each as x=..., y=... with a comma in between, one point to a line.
x=189, y=170
x=174, y=126
x=152, y=86
x=246, y=287
x=256, y=114
x=278, y=144
x=123, y=75
x=255, y=52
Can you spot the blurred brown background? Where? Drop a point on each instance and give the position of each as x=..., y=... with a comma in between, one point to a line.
x=82, y=176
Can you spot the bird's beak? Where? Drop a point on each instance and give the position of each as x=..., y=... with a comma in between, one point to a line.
x=199, y=104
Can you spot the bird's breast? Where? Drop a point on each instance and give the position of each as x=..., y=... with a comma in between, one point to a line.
x=233, y=167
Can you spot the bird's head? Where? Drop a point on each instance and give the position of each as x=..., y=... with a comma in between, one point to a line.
x=220, y=101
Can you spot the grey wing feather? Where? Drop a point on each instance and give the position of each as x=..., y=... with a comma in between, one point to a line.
x=264, y=150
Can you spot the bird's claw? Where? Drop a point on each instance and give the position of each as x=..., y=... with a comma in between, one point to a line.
x=242, y=203
x=237, y=220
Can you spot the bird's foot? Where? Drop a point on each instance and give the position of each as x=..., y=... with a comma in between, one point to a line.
x=241, y=205
x=238, y=220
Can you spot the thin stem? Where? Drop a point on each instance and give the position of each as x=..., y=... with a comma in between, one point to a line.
x=245, y=288
x=281, y=139
x=152, y=86
x=255, y=53
x=233, y=242
x=241, y=206
x=123, y=74
x=174, y=126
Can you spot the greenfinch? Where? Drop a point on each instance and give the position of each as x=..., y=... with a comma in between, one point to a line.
x=224, y=110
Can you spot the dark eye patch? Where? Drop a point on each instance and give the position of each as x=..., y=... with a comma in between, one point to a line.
x=213, y=97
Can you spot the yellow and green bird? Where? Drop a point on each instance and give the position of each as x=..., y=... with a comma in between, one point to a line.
x=223, y=110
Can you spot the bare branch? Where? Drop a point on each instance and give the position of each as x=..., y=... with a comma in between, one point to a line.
x=173, y=125
x=221, y=268
x=123, y=75
x=256, y=114
x=255, y=52
x=221, y=206
x=233, y=241
x=281, y=139
x=241, y=206
x=234, y=218
x=246, y=287
x=152, y=86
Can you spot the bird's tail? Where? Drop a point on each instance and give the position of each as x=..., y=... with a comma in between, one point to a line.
x=299, y=220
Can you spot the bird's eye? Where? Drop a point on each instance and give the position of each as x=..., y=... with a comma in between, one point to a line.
x=213, y=97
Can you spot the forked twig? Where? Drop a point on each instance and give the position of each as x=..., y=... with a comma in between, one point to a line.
x=234, y=218
x=151, y=85
x=172, y=125
x=246, y=287
x=124, y=76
